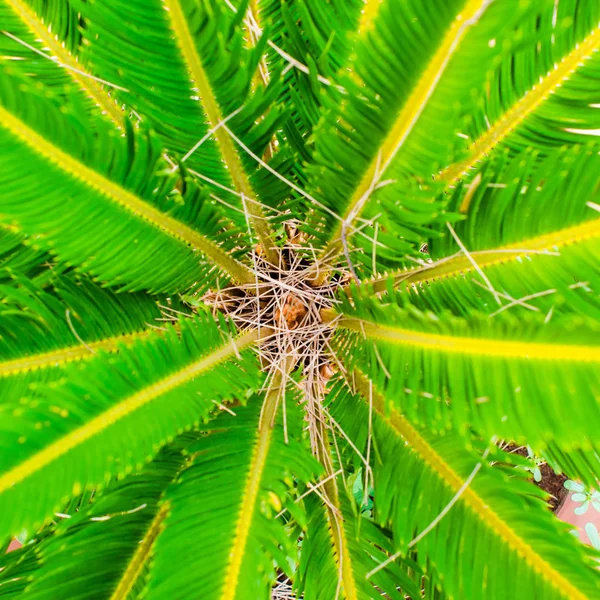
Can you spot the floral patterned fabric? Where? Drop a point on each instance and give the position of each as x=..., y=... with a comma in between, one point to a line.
x=581, y=508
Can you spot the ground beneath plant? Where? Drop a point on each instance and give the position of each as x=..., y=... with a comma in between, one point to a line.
x=551, y=482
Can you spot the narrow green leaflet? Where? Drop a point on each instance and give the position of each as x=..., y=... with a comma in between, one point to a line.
x=19, y=260
x=314, y=37
x=78, y=432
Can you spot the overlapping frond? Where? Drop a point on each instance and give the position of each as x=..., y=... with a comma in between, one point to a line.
x=15, y=568
x=42, y=330
x=326, y=553
x=226, y=502
x=35, y=322
x=539, y=295
x=310, y=42
x=77, y=432
x=195, y=86
x=99, y=201
x=514, y=200
x=494, y=508
x=362, y=142
x=531, y=230
x=341, y=546
x=506, y=377
x=100, y=551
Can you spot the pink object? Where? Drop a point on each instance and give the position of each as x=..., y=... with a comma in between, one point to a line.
x=14, y=545
x=581, y=508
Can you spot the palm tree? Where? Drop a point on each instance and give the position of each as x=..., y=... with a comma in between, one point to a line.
x=278, y=278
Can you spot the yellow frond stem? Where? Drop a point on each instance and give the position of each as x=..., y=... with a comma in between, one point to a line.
x=452, y=267
x=62, y=356
x=141, y=556
x=473, y=346
x=368, y=15
x=199, y=80
x=249, y=505
x=336, y=521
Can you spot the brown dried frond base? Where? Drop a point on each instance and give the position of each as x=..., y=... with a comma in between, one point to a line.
x=283, y=303
x=286, y=307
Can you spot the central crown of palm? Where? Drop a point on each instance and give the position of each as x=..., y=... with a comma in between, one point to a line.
x=278, y=277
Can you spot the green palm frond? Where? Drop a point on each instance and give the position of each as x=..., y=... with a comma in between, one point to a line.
x=25, y=41
x=542, y=93
x=539, y=199
x=340, y=546
x=141, y=518
x=60, y=13
x=383, y=121
x=15, y=568
x=120, y=521
x=18, y=260
x=232, y=517
x=515, y=524
x=47, y=439
x=493, y=374
x=121, y=179
x=312, y=54
x=278, y=281
x=202, y=51
x=41, y=331
x=324, y=571
x=542, y=258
